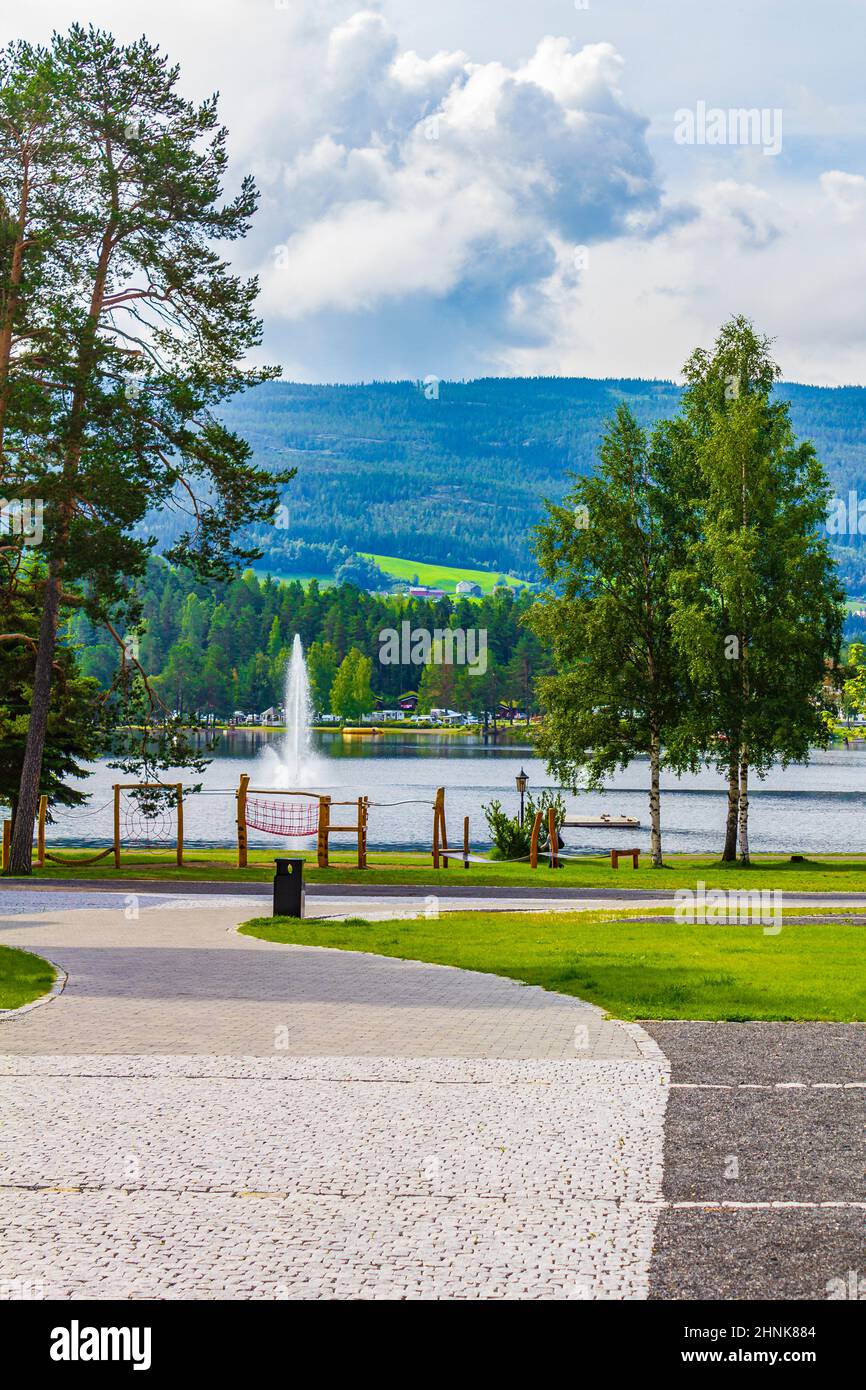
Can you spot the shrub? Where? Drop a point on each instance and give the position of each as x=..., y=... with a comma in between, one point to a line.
x=510, y=839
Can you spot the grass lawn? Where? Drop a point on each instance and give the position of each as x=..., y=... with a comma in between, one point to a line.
x=23, y=977
x=443, y=577
x=842, y=874
x=634, y=970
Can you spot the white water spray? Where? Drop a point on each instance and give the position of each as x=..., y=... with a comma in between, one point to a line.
x=297, y=750
x=293, y=763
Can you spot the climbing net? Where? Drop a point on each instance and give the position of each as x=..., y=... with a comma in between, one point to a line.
x=283, y=817
x=147, y=815
x=147, y=823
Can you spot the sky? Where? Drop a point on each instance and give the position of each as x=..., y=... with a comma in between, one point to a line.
x=486, y=187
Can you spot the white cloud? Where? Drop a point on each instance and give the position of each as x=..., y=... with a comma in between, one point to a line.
x=780, y=258
x=456, y=256
x=442, y=177
x=846, y=193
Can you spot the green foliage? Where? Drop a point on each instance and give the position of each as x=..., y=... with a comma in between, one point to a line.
x=361, y=572
x=511, y=839
x=131, y=330
x=854, y=688
x=607, y=552
x=217, y=646
x=693, y=604
x=79, y=723
x=322, y=662
x=756, y=608
x=351, y=693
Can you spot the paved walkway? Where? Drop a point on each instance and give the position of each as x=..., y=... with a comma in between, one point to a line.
x=200, y=1114
x=205, y=1115
x=179, y=980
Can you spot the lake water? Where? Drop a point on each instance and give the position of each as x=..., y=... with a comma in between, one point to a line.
x=820, y=807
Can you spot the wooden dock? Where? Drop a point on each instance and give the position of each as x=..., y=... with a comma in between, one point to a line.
x=600, y=823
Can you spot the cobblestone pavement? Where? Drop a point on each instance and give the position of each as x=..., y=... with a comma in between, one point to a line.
x=178, y=979
x=765, y=1162
x=200, y=1114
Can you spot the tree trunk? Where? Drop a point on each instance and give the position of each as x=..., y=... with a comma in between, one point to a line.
x=21, y=851
x=12, y=301
x=31, y=768
x=655, y=803
x=730, y=851
x=744, y=806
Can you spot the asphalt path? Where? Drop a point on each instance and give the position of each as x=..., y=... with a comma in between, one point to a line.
x=228, y=888
x=765, y=1162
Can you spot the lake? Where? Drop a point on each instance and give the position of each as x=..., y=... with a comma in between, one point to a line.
x=814, y=808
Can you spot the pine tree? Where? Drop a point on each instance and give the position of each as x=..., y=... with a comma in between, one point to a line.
x=146, y=334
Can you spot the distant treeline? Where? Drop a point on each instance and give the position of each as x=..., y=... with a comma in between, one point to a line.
x=214, y=648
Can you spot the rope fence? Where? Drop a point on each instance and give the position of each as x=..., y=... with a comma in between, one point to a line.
x=143, y=819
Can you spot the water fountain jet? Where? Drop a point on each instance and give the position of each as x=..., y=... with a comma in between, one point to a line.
x=293, y=763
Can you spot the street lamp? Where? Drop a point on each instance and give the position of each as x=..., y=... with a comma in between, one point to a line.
x=520, y=781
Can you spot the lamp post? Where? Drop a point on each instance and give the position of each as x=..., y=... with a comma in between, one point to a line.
x=520, y=781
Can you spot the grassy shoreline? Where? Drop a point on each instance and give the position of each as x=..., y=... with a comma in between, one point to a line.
x=818, y=873
x=505, y=733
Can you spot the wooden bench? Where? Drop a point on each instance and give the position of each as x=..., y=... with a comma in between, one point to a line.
x=616, y=853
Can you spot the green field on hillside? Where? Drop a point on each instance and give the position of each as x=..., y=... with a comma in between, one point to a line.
x=438, y=576
x=324, y=581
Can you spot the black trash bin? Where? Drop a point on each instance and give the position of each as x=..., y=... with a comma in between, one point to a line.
x=289, y=888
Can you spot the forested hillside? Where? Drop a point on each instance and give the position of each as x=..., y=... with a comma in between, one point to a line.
x=223, y=646
x=459, y=479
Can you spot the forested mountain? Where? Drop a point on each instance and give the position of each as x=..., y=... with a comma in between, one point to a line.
x=456, y=472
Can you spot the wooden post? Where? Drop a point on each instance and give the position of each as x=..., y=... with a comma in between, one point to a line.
x=466, y=842
x=180, y=823
x=242, y=819
x=614, y=859
x=7, y=841
x=552, y=838
x=438, y=824
x=117, y=825
x=441, y=795
x=40, y=831
x=533, y=843
x=324, y=825
x=362, y=832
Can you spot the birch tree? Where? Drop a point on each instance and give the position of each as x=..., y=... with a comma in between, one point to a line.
x=606, y=551
x=756, y=607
